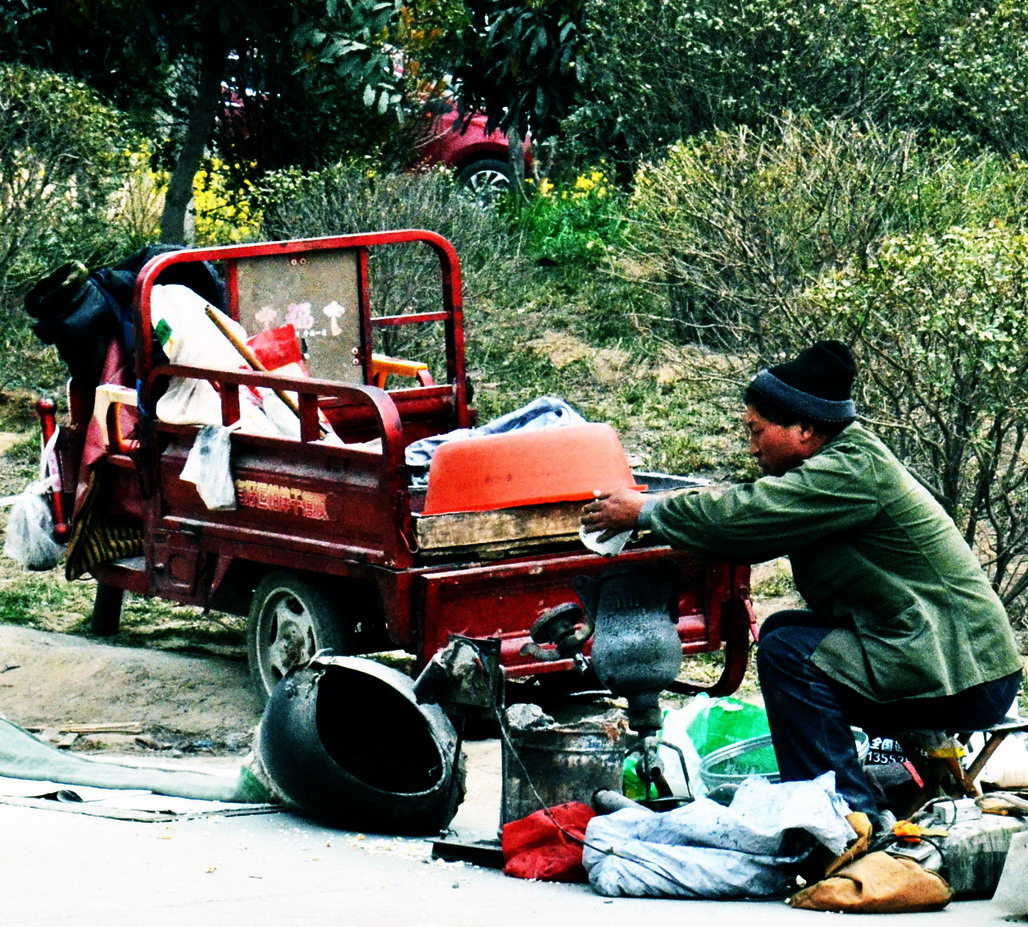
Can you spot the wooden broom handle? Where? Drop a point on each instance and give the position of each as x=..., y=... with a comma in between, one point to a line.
x=246, y=352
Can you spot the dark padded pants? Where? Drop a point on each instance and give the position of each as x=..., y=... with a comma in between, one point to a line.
x=810, y=714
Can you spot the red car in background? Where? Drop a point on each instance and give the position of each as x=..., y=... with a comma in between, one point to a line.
x=480, y=159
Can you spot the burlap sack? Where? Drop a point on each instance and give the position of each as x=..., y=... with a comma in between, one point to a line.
x=877, y=884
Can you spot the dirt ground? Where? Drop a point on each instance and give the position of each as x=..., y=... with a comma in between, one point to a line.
x=181, y=685
x=87, y=695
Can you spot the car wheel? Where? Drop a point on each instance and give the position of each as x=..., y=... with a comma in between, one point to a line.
x=291, y=619
x=487, y=178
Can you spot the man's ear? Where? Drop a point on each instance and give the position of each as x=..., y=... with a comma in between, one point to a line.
x=811, y=437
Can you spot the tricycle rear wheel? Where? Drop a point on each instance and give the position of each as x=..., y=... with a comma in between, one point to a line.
x=292, y=617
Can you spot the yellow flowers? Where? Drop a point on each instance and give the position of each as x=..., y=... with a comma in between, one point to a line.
x=221, y=218
x=591, y=184
x=594, y=183
x=576, y=224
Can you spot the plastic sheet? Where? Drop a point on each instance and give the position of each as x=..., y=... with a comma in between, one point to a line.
x=23, y=756
x=752, y=848
x=723, y=721
x=544, y=412
x=1012, y=891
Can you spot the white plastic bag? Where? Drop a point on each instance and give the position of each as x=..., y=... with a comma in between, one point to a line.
x=209, y=466
x=752, y=848
x=191, y=338
x=29, y=538
x=1012, y=891
x=677, y=753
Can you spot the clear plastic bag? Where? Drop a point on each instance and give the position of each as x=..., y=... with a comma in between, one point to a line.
x=209, y=467
x=29, y=538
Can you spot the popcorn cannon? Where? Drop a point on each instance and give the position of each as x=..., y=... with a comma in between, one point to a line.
x=336, y=540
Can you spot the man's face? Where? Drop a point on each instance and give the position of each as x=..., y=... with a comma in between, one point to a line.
x=779, y=448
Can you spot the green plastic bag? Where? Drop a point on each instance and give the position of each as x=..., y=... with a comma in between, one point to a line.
x=724, y=721
x=632, y=785
x=715, y=723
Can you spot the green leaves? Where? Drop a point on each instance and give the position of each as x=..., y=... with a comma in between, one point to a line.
x=352, y=41
x=517, y=63
x=940, y=323
x=62, y=157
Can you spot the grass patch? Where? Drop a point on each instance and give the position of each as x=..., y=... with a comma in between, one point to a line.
x=773, y=580
x=40, y=601
x=154, y=622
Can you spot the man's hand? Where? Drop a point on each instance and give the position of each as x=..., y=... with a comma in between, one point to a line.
x=612, y=512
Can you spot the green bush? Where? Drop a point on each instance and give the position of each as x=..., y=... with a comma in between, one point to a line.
x=940, y=324
x=63, y=155
x=574, y=225
x=954, y=68
x=353, y=198
x=732, y=226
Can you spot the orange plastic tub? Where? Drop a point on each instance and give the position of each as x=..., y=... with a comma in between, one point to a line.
x=559, y=464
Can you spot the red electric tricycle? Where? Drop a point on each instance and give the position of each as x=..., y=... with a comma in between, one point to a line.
x=332, y=543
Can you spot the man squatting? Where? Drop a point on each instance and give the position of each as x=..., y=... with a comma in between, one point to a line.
x=902, y=630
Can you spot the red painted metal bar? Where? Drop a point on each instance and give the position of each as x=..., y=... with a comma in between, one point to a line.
x=450, y=281
x=46, y=412
x=309, y=389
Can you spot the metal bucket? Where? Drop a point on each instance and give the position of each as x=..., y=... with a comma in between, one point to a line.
x=548, y=766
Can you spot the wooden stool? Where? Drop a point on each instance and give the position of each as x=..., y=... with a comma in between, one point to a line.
x=941, y=759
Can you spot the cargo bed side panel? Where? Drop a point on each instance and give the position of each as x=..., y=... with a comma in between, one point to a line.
x=298, y=498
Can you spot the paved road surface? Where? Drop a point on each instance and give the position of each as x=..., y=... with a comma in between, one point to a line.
x=72, y=869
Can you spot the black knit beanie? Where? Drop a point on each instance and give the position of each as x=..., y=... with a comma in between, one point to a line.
x=816, y=384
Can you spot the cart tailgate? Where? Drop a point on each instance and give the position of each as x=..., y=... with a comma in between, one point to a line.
x=502, y=600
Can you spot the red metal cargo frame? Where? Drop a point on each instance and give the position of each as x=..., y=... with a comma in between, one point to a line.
x=344, y=515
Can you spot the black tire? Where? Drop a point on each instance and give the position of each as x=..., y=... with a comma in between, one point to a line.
x=291, y=618
x=106, y=618
x=486, y=178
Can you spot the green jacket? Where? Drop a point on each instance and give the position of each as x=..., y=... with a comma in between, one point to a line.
x=873, y=553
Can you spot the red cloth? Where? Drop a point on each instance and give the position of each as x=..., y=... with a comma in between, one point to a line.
x=547, y=845
x=277, y=348
x=115, y=370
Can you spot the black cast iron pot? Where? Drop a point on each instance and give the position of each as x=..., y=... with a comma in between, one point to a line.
x=345, y=741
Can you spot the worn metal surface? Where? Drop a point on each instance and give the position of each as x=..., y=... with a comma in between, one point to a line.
x=345, y=740
x=559, y=763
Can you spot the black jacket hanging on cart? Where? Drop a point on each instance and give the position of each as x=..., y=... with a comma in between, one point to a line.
x=80, y=312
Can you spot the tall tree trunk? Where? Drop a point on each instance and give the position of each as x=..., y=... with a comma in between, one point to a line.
x=194, y=141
